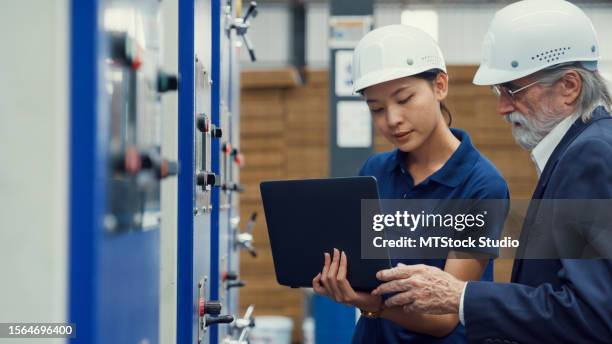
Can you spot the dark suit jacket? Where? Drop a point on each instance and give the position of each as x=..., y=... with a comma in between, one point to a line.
x=554, y=300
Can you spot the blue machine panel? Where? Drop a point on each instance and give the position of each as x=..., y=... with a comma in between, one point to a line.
x=208, y=276
x=116, y=168
x=200, y=311
x=187, y=293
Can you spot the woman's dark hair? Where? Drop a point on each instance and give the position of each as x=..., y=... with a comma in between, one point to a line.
x=431, y=76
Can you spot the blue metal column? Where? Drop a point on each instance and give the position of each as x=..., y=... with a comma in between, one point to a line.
x=215, y=158
x=186, y=314
x=85, y=208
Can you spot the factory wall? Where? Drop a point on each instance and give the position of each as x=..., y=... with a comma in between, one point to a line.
x=461, y=29
x=284, y=136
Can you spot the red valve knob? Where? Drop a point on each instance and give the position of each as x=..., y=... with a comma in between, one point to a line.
x=229, y=276
x=239, y=159
x=136, y=63
x=226, y=148
x=136, y=50
x=210, y=307
x=131, y=160
x=202, y=123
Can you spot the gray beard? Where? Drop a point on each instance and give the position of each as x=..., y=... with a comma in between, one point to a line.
x=532, y=129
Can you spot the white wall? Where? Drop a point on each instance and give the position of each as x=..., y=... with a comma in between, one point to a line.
x=34, y=136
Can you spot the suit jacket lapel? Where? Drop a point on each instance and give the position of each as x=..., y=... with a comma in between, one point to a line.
x=538, y=193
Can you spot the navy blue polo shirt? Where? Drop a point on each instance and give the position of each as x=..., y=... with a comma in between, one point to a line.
x=466, y=175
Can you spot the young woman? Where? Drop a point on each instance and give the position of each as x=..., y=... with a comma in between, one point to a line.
x=401, y=73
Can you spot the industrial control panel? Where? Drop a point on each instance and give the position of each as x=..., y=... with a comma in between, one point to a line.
x=133, y=83
x=147, y=215
x=210, y=240
x=116, y=88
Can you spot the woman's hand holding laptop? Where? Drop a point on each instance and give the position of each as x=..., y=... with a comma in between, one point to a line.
x=332, y=282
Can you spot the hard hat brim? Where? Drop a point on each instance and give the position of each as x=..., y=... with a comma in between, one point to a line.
x=379, y=77
x=486, y=76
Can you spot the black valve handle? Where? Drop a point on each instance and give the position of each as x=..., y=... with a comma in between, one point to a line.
x=221, y=319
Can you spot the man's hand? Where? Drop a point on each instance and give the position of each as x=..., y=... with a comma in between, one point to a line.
x=421, y=288
x=332, y=282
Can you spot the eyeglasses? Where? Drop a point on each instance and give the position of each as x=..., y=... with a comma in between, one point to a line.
x=500, y=90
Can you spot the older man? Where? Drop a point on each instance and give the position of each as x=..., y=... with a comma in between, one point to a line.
x=540, y=57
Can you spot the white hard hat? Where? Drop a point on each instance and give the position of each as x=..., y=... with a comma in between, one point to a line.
x=393, y=52
x=531, y=35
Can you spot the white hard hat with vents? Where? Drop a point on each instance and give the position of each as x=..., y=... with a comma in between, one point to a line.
x=393, y=52
x=531, y=35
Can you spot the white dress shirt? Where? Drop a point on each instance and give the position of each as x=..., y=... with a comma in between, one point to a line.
x=540, y=155
x=544, y=149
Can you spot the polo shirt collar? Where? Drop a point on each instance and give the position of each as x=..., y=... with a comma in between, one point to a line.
x=456, y=168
